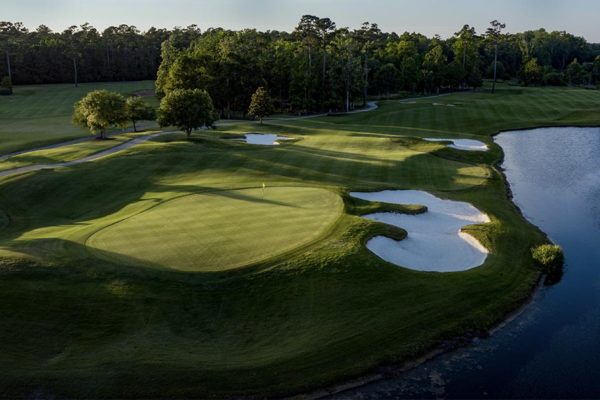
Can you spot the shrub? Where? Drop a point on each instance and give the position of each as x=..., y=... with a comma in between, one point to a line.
x=554, y=78
x=6, y=86
x=549, y=258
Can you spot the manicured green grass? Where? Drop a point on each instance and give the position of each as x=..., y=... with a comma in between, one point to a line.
x=69, y=152
x=191, y=233
x=41, y=114
x=97, y=322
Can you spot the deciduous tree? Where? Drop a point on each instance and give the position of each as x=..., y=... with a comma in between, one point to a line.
x=138, y=110
x=100, y=110
x=187, y=109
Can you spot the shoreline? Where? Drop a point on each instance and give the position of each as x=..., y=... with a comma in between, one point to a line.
x=383, y=371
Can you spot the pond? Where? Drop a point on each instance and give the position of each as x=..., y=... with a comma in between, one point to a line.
x=263, y=139
x=552, y=348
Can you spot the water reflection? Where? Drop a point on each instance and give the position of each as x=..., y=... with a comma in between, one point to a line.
x=552, y=349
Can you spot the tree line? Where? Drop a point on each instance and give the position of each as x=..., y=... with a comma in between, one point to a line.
x=316, y=67
x=82, y=53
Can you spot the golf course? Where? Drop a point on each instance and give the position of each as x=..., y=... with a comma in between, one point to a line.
x=209, y=265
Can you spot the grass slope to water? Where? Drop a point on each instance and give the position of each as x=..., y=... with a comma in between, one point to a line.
x=37, y=115
x=106, y=321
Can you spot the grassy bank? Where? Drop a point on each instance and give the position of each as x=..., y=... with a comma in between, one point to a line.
x=100, y=317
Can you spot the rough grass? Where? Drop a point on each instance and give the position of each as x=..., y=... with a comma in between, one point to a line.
x=76, y=324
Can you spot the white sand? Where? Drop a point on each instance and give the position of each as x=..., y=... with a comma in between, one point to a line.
x=265, y=139
x=462, y=144
x=435, y=241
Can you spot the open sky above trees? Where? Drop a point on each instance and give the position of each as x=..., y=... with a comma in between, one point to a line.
x=428, y=17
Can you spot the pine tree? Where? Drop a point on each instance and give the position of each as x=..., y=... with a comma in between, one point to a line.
x=261, y=105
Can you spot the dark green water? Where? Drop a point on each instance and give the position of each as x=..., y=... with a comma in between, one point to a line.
x=551, y=349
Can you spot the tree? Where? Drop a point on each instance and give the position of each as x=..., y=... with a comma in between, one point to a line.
x=100, y=110
x=138, y=110
x=531, y=72
x=494, y=34
x=474, y=79
x=434, y=63
x=187, y=72
x=260, y=105
x=11, y=37
x=348, y=65
x=187, y=109
x=6, y=86
x=575, y=73
x=387, y=79
x=325, y=29
x=367, y=36
x=465, y=48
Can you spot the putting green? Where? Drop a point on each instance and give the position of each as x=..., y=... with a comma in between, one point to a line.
x=221, y=230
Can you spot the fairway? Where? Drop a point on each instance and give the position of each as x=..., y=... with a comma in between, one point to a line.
x=163, y=268
x=37, y=115
x=222, y=230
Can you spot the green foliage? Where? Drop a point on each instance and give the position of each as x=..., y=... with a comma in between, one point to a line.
x=137, y=109
x=100, y=110
x=387, y=79
x=6, y=87
x=474, y=79
x=187, y=72
x=187, y=109
x=531, y=72
x=260, y=105
x=549, y=258
x=554, y=78
x=576, y=75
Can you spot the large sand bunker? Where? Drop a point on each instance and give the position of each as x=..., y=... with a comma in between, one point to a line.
x=435, y=241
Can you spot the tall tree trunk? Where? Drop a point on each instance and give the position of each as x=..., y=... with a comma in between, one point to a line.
x=75, y=72
x=347, y=97
x=464, y=64
x=134, y=127
x=324, y=72
x=495, y=67
x=366, y=82
x=324, y=68
x=8, y=66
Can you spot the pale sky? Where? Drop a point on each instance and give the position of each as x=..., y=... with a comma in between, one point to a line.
x=443, y=17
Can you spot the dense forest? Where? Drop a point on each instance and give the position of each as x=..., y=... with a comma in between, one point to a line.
x=318, y=66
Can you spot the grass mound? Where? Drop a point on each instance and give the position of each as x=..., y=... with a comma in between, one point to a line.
x=222, y=230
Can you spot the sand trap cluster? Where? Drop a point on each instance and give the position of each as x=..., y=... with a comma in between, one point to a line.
x=435, y=241
x=462, y=144
x=264, y=139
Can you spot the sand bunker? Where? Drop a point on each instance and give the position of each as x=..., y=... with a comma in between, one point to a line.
x=462, y=144
x=435, y=241
x=265, y=139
